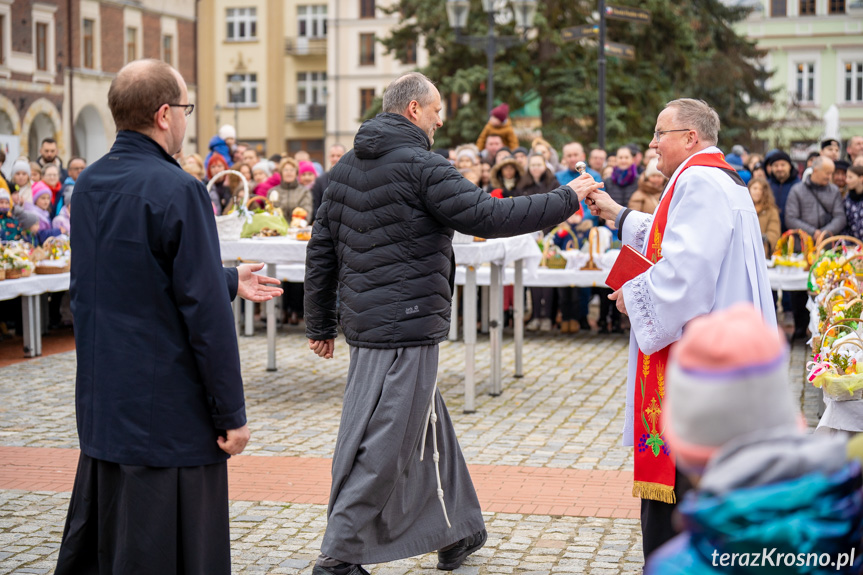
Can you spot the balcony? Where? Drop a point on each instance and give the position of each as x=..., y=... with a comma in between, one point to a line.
x=305, y=112
x=304, y=46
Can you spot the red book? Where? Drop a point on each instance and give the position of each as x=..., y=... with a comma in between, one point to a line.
x=629, y=264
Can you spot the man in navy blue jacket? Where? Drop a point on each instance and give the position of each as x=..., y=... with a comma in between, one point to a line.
x=159, y=394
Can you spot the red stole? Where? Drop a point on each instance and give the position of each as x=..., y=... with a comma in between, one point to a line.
x=654, y=463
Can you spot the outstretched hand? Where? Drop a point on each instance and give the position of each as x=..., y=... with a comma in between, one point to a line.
x=583, y=185
x=254, y=287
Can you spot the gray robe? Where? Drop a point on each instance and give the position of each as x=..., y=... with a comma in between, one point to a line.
x=383, y=503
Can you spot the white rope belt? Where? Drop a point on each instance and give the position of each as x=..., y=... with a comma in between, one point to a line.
x=431, y=419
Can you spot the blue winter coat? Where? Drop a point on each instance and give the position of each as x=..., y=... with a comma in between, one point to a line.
x=158, y=365
x=219, y=145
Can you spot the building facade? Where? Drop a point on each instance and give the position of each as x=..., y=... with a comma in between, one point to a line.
x=815, y=51
x=358, y=67
x=291, y=75
x=58, y=59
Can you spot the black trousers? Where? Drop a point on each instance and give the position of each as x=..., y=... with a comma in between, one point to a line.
x=543, y=300
x=656, y=517
x=570, y=303
x=128, y=519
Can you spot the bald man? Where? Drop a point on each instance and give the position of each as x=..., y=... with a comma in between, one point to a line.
x=815, y=206
x=158, y=392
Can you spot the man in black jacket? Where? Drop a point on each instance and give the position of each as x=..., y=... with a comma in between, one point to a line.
x=382, y=240
x=159, y=396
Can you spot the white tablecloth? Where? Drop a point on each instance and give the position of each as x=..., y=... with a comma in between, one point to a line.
x=34, y=285
x=268, y=250
x=284, y=251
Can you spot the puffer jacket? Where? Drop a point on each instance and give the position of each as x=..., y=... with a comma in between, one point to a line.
x=383, y=237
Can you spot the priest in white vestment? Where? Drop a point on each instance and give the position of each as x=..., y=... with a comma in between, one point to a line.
x=708, y=256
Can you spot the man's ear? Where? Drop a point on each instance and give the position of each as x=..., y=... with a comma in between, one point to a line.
x=161, y=120
x=413, y=110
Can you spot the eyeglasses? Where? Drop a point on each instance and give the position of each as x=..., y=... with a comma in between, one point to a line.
x=187, y=108
x=658, y=134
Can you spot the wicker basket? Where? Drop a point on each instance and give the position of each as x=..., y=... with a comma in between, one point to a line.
x=784, y=254
x=552, y=258
x=13, y=274
x=830, y=243
x=43, y=270
x=230, y=225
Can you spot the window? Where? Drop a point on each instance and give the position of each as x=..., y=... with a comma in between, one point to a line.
x=248, y=89
x=410, y=52
x=311, y=87
x=242, y=23
x=854, y=81
x=88, y=47
x=2, y=39
x=805, y=76
x=367, y=99
x=42, y=47
x=778, y=8
x=312, y=21
x=367, y=49
x=807, y=7
x=168, y=48
x=836, y=6
x=131, y=44
x=367, y=8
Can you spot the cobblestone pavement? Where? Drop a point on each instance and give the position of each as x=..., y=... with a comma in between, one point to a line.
x=566, y=412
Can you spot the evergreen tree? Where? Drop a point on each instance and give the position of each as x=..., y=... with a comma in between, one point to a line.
x=689, y=49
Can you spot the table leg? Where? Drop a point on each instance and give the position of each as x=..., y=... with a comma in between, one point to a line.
x=495, y=304
x=469, y=340
x=271, y=325
x=483, y=309
x=453, y=322
x=37, y=322
x=31, y=325
x=250, y=317
x=518, y=316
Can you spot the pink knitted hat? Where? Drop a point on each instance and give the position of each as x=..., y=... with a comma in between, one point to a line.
x=307, y=167
x=40, y=188
x=727, y=377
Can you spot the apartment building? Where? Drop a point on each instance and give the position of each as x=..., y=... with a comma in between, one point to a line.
x=815, y=49
x=292, y=75
x=57, y=60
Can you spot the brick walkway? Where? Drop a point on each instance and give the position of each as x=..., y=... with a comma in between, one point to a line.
x=504, y=489
x=553, y=479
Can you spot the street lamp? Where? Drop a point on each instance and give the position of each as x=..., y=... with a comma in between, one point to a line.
x=496, y=10
x=235, y=85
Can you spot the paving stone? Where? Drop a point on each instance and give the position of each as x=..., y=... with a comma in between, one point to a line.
x=566, y=412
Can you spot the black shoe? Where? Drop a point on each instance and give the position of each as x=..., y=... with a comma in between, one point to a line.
x=450, y=558
x=615, y=328
x=341, y=569
x=583, y=324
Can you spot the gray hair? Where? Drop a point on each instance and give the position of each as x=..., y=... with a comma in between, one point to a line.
x=699, y=116
x=405, y=89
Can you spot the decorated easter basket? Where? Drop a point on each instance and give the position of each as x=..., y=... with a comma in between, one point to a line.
x=552, y=258
x=264, y=221
x=230, y=225
x=831, y=244
x=835, y=373
x=785, y=255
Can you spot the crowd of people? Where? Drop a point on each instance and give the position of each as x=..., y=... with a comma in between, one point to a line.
x=823, y=196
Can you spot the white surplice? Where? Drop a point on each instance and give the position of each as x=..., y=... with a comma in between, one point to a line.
x=712, y=258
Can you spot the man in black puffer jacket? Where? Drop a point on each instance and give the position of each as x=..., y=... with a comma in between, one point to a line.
x=382, y=240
